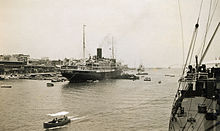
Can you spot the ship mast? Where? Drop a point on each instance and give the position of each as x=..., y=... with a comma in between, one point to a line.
x=112, y=49
x=200, y=62
x=84, y=43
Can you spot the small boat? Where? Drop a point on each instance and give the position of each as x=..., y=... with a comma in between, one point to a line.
x=50, y=84
x=57, y=122
x=89, y=81
x=2, y=77
x=129, y=76
x=6, y=86
x=142, y=73
x=96, y=81
x=147, y=79
x=170, y=75
x=57, y=79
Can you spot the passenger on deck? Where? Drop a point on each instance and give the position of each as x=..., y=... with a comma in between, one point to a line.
x=190, y=69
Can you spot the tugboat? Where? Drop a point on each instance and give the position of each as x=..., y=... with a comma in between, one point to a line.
x=141, y=70
x=92, y=69
x=196, y=104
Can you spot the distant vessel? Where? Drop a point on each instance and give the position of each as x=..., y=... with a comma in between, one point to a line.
x=170, y=75
x=50, y=84
x=196, y=104
x=147, y=79
x=142, y=73
x=6, y=86
x=96, y=68
x=141, y=70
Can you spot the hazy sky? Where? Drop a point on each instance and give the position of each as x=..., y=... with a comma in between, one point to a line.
x=145, y=31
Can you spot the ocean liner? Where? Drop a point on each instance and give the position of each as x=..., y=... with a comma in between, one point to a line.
x=96, y=68
x=196, y=105
x=93, y=68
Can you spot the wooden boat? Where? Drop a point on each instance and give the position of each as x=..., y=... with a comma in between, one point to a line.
x=6, y=86
x=50, y=84
x=57, y=122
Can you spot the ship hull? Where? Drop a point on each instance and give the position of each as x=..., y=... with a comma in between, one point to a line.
x=85, y=75
x=198, y=108
x=200, y=122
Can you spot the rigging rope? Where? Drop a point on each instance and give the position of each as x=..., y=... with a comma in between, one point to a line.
x=194, y=42
x=181, y=23
x=208, y=108
x=195, y=117
x=207, y=27
x=201, y=49
x=189, y=51
x=200, y=11
x=209, y=44
x=216, y=4
x=191, y=48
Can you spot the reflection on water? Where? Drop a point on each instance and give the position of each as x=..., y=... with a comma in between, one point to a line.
x=103, y=105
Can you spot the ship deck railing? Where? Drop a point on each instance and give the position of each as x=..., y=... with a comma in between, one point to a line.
x=93, y=70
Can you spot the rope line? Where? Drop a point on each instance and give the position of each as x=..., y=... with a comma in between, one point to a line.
x=207, y=27
x=194, y=42
x=182, y=35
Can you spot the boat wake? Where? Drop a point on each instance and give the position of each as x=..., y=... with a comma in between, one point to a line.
x=74, y=118
x=56, y=128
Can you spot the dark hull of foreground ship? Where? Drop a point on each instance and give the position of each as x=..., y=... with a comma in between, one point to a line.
x=198, y=108
x=86, y=75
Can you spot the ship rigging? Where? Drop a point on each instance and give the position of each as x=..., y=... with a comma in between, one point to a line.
x=196, y=105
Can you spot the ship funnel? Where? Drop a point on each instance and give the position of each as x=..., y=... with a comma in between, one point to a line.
x=99, y=53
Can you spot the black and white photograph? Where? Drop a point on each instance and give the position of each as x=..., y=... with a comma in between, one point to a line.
x=109, y=65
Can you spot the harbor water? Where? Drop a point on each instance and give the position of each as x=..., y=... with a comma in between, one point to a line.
x=98, y=106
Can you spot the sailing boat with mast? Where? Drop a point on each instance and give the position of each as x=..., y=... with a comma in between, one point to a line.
x=196, y=104
x=93, y=68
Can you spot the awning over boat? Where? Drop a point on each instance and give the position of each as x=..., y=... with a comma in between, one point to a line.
x=59, y=113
